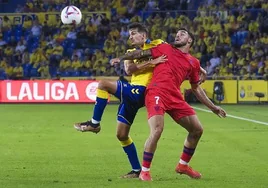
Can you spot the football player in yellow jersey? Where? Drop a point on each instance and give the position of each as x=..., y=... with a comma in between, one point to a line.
x=131, y=96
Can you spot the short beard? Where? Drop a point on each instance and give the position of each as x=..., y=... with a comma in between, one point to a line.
x=180, y=44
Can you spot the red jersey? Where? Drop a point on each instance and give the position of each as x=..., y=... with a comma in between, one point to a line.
x=180, y=66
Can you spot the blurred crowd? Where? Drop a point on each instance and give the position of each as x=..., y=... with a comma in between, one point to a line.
x=230, y=36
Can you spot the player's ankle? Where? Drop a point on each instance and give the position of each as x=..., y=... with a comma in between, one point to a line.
x=144, y=169
x=95, y=121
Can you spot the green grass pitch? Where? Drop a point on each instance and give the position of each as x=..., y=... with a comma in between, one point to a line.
x=40, y=148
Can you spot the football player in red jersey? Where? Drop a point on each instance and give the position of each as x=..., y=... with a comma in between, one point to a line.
x=163, y=96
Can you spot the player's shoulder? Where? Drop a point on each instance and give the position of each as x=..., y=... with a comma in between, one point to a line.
x=164, y=45
x=194, y=59
x=157, y=41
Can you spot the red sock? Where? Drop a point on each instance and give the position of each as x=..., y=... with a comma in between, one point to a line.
x=187, y=154
x=147, y=160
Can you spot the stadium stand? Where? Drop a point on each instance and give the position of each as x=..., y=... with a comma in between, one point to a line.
x=231, y=36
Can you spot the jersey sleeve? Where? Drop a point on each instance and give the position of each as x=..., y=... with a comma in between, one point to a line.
x=161, y=49
x=194, y=76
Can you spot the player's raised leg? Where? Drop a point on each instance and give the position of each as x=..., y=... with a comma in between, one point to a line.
x=104, y=88
x=156, y=124
x=195, y=130
x=129, y=148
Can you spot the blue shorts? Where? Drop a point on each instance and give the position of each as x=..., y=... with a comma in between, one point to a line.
x=132, y=99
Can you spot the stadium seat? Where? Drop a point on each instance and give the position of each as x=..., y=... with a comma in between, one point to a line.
x=19, y=27
x=27, y=66
x=3, y=75
x=65, y=74
x=85, y=73
x=75, y=73
x=72, y=45
x=34, y=72
x=70, y=51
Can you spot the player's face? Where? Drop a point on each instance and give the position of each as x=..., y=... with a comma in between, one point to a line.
x=182, y=39
x=136, y=38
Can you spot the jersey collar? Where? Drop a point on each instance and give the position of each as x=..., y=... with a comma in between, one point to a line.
x=148, y=41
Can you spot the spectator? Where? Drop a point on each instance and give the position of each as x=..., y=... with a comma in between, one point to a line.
x=95, y=20
x=215, y=60
x=9, y=71
x=36, y=29
x=124, y=20
x=6, y=24
x=216, y=75
x=17, y=72
x=65, y=64
x=20, y=47
x=76, y=64
x=124, y=33
x=43, y=70
x=72, y=34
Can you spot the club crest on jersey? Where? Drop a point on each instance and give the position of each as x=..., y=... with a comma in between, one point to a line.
x=157, y=108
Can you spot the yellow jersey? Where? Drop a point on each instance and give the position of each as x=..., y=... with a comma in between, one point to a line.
x=143, y=77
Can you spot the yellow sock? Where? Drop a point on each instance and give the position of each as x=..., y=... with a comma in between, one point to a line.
x=126, y=142
x=102, y=94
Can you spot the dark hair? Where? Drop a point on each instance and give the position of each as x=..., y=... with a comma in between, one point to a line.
x=140, y=27
x=191, y=35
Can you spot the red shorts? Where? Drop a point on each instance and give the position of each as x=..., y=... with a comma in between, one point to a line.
x=170, y=102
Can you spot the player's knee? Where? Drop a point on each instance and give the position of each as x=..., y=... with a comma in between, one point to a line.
x=103, y=84
x=121, y=136
x=157, y=131
x=198, y=132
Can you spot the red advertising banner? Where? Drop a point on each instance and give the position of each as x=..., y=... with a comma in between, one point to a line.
x=48, y=91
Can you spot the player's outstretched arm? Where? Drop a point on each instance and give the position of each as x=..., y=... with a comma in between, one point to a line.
x=131, y=67
x=136, y=54
x=202, y=97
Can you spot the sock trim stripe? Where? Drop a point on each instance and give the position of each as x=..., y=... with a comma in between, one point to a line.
x=147, y=159
x=102, y=94
x=127, y=142
x=147, y=153
x=189, y=148
x=187, y=152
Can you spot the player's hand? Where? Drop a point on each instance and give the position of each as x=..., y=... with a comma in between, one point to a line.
x=114, y=61
x=203, y=75
x=219, y=111
x=158, y=60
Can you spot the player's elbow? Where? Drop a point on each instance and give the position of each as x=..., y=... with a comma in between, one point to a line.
x=195, y=88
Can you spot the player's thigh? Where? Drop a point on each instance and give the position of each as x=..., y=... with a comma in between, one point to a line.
x=108, y=85
x=127, y=113
x=131, y=94
x=122, y=130
x=156, y=123
x=184, y=115
x=191, y=123
x=154, y=104
x=119, y=93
